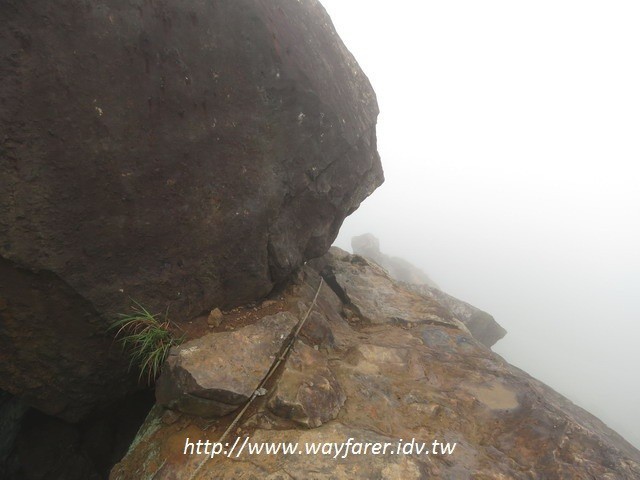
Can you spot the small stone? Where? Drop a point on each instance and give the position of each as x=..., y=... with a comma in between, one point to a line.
x=169, y=417
x=215, y=318
x=318, y=331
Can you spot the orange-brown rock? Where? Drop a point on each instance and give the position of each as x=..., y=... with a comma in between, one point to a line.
x=307, y=391
x=428, y=381
x=213, y=375
x=483, y=326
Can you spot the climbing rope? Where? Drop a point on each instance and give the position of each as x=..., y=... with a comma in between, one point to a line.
x=259, y=391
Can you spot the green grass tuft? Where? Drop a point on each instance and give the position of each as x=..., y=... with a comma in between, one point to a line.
x=146, y=337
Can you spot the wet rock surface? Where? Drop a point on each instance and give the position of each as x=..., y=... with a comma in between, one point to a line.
x=482, y=325
x=307, y=391
x=401, y=380
x=370, y=293
x=184, y=154
x=215, y=374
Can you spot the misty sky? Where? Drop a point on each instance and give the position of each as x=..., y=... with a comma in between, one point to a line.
x=510, y=139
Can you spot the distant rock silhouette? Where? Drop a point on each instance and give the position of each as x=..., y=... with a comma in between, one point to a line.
x=368, y=246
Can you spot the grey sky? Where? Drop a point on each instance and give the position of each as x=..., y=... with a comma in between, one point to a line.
x=510, y=138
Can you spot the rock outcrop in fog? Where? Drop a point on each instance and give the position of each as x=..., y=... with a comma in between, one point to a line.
x=482, y=325
x=186, y=155
x=403, y=370
x=368, y=246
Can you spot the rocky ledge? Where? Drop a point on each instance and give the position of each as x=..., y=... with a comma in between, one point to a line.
x=482, y=325
x=382, y=367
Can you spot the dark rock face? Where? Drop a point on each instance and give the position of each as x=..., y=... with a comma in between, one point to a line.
x=11, y=412
x=52, y=449
x=307, y=391
x=52, y=353
x=184, y=154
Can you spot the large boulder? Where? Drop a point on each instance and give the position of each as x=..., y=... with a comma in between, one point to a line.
x=186, y=155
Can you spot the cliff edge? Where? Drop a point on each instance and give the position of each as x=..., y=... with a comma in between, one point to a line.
x=394, y=368
x=481, y=324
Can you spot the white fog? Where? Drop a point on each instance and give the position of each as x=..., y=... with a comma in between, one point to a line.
x=509, y=138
